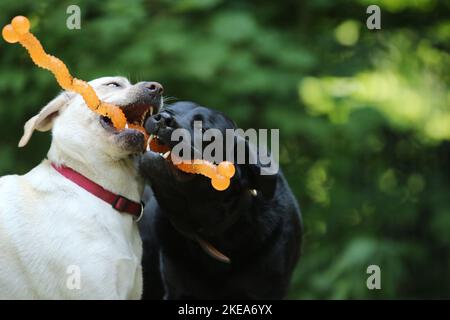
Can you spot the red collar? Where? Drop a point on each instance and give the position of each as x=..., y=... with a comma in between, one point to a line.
x=116, y=201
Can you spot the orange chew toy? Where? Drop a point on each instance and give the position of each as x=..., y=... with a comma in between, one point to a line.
x=19, y=31
x=220, y=175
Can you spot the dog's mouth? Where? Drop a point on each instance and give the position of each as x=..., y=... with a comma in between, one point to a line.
x=136, y=115
x=133, y=137
x=162, y=149
x=159, y=162
x=159, y=142
x=157, y=145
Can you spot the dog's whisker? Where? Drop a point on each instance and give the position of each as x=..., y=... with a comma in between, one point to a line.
x=170, y=99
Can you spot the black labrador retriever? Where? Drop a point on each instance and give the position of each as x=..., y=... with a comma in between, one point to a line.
x=200, y=243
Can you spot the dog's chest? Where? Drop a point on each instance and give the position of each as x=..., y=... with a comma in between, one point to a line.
x=56, y=229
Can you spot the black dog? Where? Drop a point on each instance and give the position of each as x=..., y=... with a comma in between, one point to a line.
x=200, y=243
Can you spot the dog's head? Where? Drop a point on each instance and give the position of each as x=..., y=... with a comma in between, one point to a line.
x=192, y=195
x=78, y=131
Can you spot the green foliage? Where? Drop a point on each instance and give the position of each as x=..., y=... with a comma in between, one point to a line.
x=364, y=116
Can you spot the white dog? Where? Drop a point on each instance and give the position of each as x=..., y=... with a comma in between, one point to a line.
x=58, y=240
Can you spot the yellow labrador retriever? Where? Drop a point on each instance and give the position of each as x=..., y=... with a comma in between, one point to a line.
x=58, y=238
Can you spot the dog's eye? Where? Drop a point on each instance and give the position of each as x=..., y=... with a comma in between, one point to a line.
x=113, y=84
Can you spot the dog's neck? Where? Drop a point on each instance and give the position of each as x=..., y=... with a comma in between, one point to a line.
x=118, y=176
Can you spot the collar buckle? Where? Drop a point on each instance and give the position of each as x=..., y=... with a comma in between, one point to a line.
x=141, y=214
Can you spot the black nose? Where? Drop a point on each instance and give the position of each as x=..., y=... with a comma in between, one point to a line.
x=158, y=121
x=154, y=87
x=164, y=119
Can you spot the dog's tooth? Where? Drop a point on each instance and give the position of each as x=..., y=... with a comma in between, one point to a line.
x=145, y=115
x=126, y=125
x=166, y=155
x=150, y=138
x=254, y=192
x=151, y=110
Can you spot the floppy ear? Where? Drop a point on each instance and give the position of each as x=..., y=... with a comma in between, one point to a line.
x=43, y=121
x=266, y=184
x=259, y=177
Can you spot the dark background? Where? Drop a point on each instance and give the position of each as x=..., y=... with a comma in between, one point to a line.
x=364, y=116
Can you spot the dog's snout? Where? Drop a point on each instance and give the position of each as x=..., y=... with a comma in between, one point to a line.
x=154, y=87
x=160, y=120
x=164, y=119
